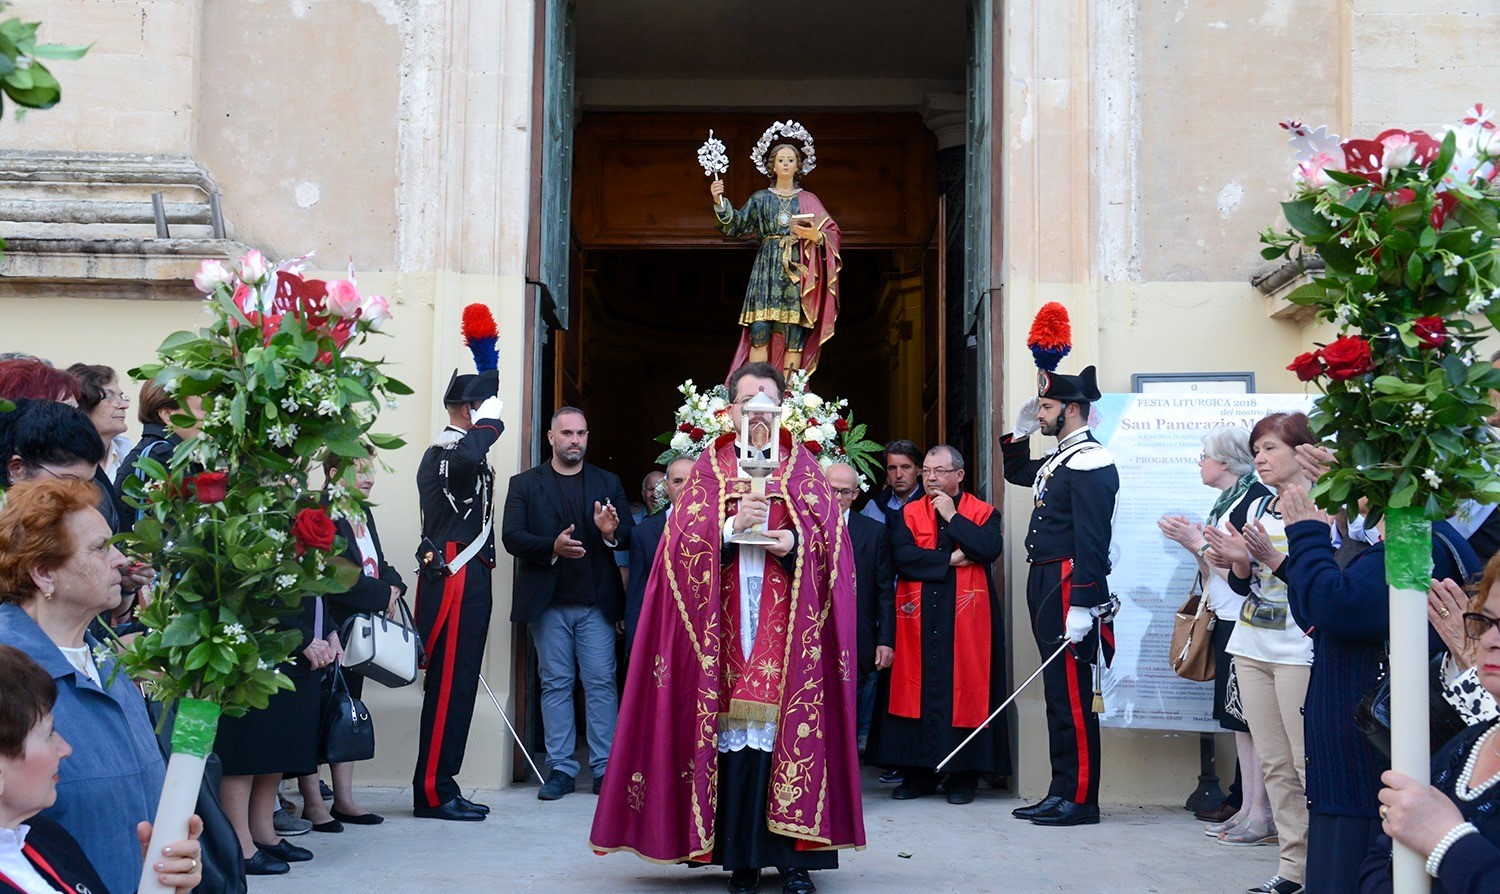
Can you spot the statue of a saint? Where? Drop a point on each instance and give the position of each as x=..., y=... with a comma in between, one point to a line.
x=793, y=297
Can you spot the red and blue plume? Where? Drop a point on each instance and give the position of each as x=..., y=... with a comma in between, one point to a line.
x=1051, y=336
x=481, y=336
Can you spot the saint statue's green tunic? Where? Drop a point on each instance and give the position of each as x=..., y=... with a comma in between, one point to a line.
x=772, y=296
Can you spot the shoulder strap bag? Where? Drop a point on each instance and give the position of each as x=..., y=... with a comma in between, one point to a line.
x=1192, y=655
x=381, y=648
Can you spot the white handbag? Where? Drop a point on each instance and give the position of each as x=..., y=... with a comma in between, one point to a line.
x=384, y=649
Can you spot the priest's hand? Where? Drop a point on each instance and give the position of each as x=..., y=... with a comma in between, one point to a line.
x=957, y=559
x=785, y=540
x=565, y=547
x=754, y=510
x=606, y=519
x=884, y=655
x=1078, y=624
x=943, y=504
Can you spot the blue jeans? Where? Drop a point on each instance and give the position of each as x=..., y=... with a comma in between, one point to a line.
x=866, y=703
x=575, y=642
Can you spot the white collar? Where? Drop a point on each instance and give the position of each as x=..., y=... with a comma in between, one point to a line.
x=11, y=840
x=1074, y=438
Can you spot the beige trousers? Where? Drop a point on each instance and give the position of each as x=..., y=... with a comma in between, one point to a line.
x=1273, y=696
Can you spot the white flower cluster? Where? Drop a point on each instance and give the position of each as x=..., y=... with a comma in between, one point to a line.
x=236, y=633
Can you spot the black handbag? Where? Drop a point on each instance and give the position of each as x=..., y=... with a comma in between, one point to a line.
x=348, y=731
x=222, y=860
x=1372, y=714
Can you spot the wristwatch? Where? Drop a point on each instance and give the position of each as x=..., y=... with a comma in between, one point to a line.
x=1203, y=550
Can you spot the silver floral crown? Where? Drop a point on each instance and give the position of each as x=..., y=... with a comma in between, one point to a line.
x=790, y=130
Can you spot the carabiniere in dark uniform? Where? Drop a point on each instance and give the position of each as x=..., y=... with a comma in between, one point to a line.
x=455, y=487
x=1067, y=545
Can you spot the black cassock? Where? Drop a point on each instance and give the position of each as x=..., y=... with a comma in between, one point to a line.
x=911, y=743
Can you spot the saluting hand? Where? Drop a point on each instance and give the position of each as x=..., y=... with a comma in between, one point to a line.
x=565, y=547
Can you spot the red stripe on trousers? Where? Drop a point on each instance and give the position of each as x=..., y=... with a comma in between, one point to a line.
x=453, y=591
x=1075, y=701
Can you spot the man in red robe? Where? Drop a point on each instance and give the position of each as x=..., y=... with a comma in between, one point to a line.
x=949, y=668
x=736, y=737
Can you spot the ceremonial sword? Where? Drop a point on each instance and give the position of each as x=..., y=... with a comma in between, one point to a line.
x=517, y=736
x=1019, y=689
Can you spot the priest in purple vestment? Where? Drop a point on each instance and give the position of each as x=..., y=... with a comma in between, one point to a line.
x=736, y=738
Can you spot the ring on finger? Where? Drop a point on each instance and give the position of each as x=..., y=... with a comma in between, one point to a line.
x=1384, y=809
x=1443, y=613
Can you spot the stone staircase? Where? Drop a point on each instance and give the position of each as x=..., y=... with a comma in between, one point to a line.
x=84, y=223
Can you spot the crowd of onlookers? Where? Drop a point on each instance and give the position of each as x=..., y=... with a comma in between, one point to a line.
x=68, y=597
x=1301, y=608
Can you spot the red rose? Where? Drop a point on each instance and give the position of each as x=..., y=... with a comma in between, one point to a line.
x=1347, y=357
x=841, y=425
x=211, y=487
x=1430, y=332
x=313, y=529
x=811, y=421
x=1307, y=366
x=813, y=447
x=685, y=427
x=1403, y=196
x=696, y=433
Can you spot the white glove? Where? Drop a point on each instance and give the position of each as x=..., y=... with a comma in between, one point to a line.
x=1079, y=623
x=1026, y=419
x=489, y=409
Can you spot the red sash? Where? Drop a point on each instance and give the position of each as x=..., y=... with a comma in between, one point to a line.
x=972, y=632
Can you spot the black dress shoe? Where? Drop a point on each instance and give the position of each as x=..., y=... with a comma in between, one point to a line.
x=332, y=827
x=744, y=881
x=265, y=864
x=324, y=791
x=1031, y=810
x=598, y=783
x=449, y=811
x=473, y=805
x=558, y=784
x=358, y=819
x=915, y=787
x=961, y=791
x=285, y=850
x=1068, y=813
x=797, y=881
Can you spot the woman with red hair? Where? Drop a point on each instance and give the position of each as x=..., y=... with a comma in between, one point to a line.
x=36, y=380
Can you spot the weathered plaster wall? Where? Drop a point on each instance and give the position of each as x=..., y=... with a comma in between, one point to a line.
x=136, y=89
x=1215, y=78
x=298, y=125
x=1418, y=65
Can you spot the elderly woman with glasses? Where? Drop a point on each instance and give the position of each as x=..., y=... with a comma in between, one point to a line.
x=1227, y=466
x=37, y=855
x=1455, y=822
x=100, y=396
x=57, y=572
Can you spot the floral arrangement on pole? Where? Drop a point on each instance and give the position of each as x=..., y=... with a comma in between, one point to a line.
x=235, y=531
x=1406, y=226
x=825, y=427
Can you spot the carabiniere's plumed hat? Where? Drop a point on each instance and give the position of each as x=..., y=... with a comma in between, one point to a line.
x=481, y=336
x=1050, y=340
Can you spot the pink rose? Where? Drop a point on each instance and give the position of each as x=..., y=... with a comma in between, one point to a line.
x=211, y=275
x=375, y=311
x=254, y=268
x=343, y=299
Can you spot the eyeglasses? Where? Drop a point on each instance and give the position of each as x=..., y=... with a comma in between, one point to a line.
x=116, y=397
x=844, y=491
x=1477, y=625
x=68, y=477
x=926, y=472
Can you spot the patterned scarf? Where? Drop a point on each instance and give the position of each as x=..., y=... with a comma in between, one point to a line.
x=1229, y=497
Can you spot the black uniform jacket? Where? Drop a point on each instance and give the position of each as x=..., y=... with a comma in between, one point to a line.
x=644, y=538
x=875, y=587
x=1075, y=515
x=534, y=518
x=455, y=486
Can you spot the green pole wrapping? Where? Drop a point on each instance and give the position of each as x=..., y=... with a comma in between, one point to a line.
x=196, y=726
x=1408, y=571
